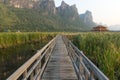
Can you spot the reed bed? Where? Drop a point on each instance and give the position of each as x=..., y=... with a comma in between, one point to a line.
x=12, y=39
x=103, y=49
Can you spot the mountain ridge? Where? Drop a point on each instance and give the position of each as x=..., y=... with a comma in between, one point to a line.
x=114, y=27
x=48, y=15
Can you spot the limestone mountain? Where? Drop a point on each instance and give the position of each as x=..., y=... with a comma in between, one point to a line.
x=42, y=15
x=87, y=18
x=67, y=11
x=47, y=7
x=70, y=16
x=21, y=3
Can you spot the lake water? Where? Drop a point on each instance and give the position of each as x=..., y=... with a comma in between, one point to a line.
x=13, y=57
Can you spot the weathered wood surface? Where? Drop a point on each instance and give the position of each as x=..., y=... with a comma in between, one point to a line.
x=60, y=66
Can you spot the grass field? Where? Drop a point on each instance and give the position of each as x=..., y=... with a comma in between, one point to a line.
x=103, y=49
x=12, y=39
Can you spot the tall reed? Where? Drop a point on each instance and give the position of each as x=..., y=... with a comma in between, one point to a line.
x=12, y=39
x=103, y=49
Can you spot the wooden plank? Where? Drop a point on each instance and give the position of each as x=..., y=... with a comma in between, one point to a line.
x=60, y=66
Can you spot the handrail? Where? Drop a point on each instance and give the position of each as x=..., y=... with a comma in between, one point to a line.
x=82, y=63
x=33, y=69
x=89, y=64
x=36, y=60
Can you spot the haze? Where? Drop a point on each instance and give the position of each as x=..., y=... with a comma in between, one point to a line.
x=104, y=11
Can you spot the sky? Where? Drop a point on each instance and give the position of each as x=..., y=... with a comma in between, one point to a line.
x=106, y=12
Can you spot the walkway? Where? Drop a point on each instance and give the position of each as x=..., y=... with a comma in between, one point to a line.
x=52, y=62
x=59, y=66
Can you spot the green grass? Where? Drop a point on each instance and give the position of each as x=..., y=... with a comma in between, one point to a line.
x=103, y=49
x=12, y=39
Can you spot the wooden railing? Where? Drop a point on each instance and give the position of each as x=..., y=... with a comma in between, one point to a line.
x=34, y=67
x=84, y=68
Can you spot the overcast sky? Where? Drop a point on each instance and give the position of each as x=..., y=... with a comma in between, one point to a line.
x=104, y=11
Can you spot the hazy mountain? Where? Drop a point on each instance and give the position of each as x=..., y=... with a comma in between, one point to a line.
x=114, y=27
x=47, y=7
x=21, y=3
x=67, y=11
x=42, y=15
x=88, y=18
x=70, y=16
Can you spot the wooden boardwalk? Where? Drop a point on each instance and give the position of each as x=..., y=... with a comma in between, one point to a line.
x=60, y=66
x=60, y=59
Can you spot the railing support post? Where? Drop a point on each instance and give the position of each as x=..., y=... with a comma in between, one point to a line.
x=86, y=77
x=25, y=74
x=36, y=70
x=32, y=76
x=91, y=75
x=81, y=67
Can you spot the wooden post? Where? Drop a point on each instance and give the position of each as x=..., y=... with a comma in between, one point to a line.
x=68, y=48
x=42, y=60
x=78, y=62
x=36, y=70
x=91, y=75
x=32, y=76
x=80, y=66
x=25, y=74
x=39, y=65
x=86, y=76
